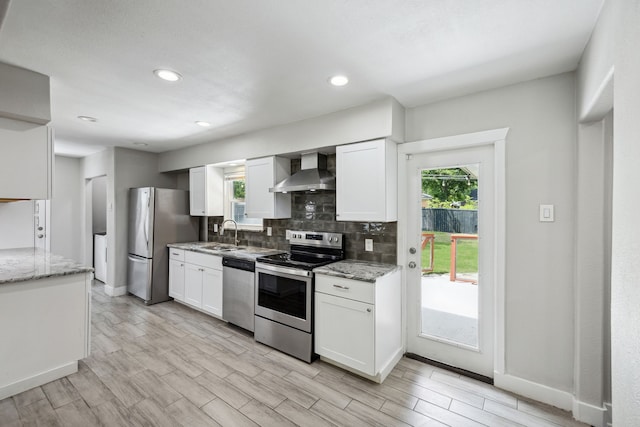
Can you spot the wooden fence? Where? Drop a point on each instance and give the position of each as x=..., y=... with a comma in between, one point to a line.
x=450, y=220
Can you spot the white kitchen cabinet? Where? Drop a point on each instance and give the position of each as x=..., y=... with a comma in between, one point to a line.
x=26, y=164
x=206, y=185
x=260, y=175
x=358, y=325
x=212, y=291
x=193, y=280
x=176, y=274
x=100, y=257
x=203, y=282
x=366, y=181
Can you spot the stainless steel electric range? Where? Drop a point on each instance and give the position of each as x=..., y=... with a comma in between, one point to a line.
x=284, y=291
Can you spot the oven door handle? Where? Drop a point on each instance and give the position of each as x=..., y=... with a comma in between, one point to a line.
x=284, y=270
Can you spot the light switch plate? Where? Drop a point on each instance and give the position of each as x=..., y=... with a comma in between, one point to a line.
x=368, y=245
x=269, y=231
x=215, y=228
x=546, y=213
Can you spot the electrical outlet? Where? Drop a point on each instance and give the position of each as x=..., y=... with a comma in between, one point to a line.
x=215, y=228
x=269, y=231
x=368, y=245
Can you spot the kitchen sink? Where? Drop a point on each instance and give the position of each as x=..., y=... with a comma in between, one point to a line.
x=223, y=248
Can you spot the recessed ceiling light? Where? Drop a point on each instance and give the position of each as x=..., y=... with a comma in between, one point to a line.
x=88, y=118
x=140, y=144
x=203, y=124
x=339, y=80
x=168, y=75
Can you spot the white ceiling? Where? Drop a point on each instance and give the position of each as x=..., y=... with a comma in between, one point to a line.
x=252, y=64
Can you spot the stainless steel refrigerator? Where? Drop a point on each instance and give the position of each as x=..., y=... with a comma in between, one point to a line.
x=157, y=216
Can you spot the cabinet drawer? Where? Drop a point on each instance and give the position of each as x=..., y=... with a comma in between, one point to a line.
x=177, y=254
x=346, y=288
x=211, y=261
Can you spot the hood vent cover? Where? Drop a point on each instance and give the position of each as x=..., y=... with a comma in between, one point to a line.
x=313, y=175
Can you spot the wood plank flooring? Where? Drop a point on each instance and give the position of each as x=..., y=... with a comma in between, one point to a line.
x=168, y=365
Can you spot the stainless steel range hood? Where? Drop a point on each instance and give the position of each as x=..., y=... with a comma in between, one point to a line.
x=313, y=175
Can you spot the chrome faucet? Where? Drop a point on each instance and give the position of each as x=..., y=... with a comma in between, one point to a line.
x=235, y=239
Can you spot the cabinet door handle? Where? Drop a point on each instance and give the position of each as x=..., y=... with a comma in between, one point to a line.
x=174, y=253
x=368, y=310
x=201, y=269
x=346, y=288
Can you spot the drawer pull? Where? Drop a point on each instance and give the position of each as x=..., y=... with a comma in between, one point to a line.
x=368, y=310
x=175, y=253
x=346, y=288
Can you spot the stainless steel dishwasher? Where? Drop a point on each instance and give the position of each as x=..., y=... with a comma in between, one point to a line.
x=238, y=292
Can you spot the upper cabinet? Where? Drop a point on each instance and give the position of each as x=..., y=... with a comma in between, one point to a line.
x=366, y=181
x=26, y=163
x=206, y=185
x=262, y=174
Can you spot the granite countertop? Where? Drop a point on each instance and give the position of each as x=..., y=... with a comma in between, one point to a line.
x=22, y=264
x=225, y=249
x=358, y=270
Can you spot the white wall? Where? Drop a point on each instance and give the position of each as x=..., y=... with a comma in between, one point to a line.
x=625, y=275
x=16, y=224
x=99, y=204
x=540, y=152
x=375, y=120
x=132, y=168
x=592, y=275
x=66, y=209
x=595, y=73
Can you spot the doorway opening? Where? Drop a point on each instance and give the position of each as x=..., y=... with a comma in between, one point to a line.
x=454, y=280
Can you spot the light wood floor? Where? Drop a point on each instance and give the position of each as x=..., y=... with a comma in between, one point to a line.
x=168, y=365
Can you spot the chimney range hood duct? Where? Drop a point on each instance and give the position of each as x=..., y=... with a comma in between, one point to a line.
x=313, y=175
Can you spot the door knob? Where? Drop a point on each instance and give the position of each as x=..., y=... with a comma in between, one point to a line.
x=412, y=264
x=412, y=250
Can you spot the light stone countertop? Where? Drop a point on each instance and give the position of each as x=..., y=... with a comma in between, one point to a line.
x=225, y=249
x=22, y=264
x=357, y=270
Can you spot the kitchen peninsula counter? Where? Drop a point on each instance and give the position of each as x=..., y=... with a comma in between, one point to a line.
x=24, y=264
x=46, y=312
x=365, y=271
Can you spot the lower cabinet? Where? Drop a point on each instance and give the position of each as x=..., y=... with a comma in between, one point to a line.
x=212, y=291
x=193, y=283
x=358, y=325
x=345, y=331
x=176, y=274
x=196, y=281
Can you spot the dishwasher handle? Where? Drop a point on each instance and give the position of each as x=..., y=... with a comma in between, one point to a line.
x=239, y=264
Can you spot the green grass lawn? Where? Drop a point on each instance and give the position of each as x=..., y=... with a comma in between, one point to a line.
x=467, y=250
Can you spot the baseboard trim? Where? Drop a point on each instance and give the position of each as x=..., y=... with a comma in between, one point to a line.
x=541, y=393
x=609, y=416
x=590, y=414
x=115, y=292
x=38, y=380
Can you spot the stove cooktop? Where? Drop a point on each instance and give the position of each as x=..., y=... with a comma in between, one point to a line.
x=308, y=250
x=296, y=261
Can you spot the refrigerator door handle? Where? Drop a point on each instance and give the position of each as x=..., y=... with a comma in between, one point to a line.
x=146, y=221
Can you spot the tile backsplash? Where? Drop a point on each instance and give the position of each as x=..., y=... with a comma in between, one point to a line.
x=316, y=211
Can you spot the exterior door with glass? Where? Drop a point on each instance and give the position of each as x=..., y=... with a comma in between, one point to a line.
x=451, y=243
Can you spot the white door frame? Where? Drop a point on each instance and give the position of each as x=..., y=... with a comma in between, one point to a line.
x=496, y=138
